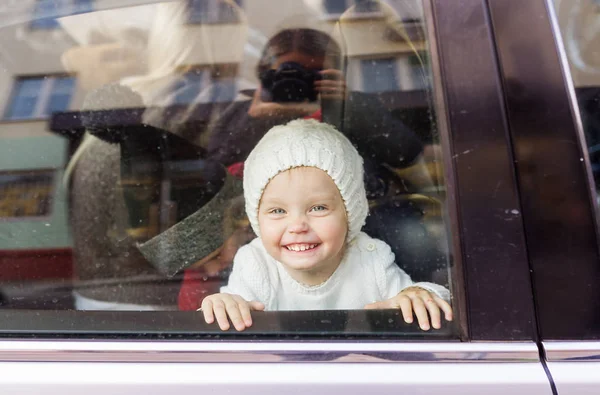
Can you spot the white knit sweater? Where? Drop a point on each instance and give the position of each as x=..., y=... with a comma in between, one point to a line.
x=366, y=274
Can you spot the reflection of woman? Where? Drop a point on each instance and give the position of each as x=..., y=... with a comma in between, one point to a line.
x=382, y=140
x=113, y=273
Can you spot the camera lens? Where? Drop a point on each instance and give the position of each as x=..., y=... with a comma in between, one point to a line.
x=291, y=82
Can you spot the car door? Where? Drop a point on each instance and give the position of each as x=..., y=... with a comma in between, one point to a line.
x=82, y=81
x=551, y=100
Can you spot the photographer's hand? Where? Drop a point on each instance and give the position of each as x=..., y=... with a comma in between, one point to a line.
x=332, y=86
x=259, y=108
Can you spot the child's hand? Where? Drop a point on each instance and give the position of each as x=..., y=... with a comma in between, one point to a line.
x=419, y=301
x=224, y=305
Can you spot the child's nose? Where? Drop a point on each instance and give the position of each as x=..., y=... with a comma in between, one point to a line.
x=298, y=225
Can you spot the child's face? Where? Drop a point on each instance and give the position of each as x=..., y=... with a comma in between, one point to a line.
x=303, y=224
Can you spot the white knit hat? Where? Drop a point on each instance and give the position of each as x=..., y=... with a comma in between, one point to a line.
x=307, y=143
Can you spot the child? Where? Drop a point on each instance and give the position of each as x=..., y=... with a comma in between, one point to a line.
x=305, y=199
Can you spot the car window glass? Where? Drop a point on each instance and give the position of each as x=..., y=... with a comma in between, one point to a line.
x=577, y=21
x=125, y=134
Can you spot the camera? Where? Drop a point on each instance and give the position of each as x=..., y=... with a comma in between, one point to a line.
x=291, y=82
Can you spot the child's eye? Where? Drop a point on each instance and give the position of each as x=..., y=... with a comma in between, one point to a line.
x=318, y=208
x=277, y=211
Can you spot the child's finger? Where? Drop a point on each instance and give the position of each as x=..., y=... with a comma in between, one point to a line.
x=406, y=307
x=244, y=308
x=434, y=312
x=421, y=313
x=207, y=311
x=256, y=305
x=445, y=306
x=246, y=315
x=221, y=315
x=233, y=311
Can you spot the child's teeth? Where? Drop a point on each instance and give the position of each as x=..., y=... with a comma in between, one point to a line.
x=302, y=247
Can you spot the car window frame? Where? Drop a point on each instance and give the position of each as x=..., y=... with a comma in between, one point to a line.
x=478, y=211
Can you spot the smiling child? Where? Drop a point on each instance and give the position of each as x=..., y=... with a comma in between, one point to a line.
x=306, y=201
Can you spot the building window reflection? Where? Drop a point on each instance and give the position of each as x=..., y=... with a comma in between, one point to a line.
x=26, y=194
x=379, y=75
x=45, y=12
x=39, y=97
x=204, y=84
x=213, y=11
x=338, y=7
x=419, y=71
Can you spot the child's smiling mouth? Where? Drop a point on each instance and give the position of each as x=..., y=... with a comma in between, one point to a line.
x=301, y=247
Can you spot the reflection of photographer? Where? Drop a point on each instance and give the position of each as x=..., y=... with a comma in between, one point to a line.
x=291, y=60
x=299, y=73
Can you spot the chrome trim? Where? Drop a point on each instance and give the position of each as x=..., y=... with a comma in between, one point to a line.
x=563, y=351
x=574, y=106
x=252, y=352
